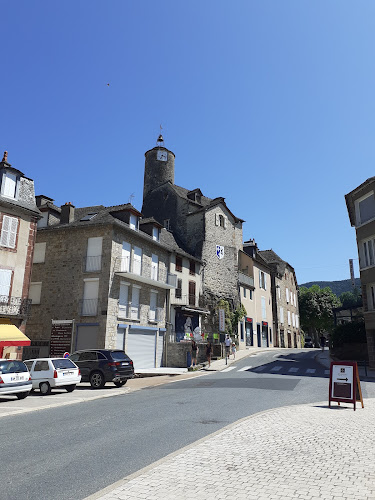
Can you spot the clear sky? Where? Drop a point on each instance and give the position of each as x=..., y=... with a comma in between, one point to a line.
x=267, y=103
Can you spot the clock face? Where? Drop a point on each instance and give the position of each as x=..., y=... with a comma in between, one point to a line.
x=162, y=155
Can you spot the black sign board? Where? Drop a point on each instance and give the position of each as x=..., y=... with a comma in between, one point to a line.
x=61, y=338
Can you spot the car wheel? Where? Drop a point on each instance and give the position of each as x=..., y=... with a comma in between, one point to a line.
x=97, y=380
x=70, y=388
x=45, y=388
x=22, y=395
x=120, y=383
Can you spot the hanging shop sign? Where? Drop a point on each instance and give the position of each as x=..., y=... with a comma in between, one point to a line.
x=344, y=383
x=222, y=320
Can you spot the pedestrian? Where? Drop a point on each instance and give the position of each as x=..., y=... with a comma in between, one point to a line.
x=322, y=342
x=228, y=343
x=234, y=350
x=208, y=353
x=194, y=352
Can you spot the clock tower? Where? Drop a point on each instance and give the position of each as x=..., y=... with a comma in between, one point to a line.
x=159, y=167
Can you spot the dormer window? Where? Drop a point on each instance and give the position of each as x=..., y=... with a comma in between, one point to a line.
x=155, y=233
x=134, y=222
x=365, y=208
x=9, y=185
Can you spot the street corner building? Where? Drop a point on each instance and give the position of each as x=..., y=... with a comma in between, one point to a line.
x=18, y=219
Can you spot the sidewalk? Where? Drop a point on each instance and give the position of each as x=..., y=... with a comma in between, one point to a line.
x=305, y=452
x=324, y=358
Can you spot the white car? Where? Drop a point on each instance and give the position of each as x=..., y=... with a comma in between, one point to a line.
x=47, y=373
x=14, y=378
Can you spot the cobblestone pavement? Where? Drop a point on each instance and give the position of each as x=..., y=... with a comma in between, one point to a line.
x=302, y=452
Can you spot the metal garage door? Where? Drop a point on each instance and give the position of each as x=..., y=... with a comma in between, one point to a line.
x=141, y=345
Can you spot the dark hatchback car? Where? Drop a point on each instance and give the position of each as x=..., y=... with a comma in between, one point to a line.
x=99, y=366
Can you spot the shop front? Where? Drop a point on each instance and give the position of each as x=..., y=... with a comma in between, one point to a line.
x=12, y=341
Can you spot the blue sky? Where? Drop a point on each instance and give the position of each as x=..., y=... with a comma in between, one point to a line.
x=269, y=104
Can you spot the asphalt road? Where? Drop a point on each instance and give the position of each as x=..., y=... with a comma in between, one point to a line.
x=73, y=451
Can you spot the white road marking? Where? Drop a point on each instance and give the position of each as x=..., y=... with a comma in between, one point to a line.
x=244, y=368
x=310, y=370
x=276, y=368
x=293, y=370
x=228, y=369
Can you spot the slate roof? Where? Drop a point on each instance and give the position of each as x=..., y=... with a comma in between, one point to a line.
x=275, y=261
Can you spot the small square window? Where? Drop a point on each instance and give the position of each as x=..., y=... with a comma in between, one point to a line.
x=178, y=263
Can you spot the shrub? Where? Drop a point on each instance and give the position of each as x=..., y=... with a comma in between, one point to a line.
x=348, y=333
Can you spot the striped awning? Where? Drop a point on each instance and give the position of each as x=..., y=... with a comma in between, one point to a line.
x=10, y=335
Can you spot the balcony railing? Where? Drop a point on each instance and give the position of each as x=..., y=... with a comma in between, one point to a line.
x=189, y=299
x=92, y=264
x=156, y=315
x=89, y=307
x=130, y=311
x=15, y=306
x=244, y=279
x=145, y=273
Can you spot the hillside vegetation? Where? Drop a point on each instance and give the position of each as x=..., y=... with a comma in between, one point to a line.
x=337, y=287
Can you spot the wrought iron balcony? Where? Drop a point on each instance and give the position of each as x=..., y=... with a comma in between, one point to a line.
x=92, y=264
x=244, y=279
x=189, y=299
x=15, y=306
x=89, y=307
x=143, y=272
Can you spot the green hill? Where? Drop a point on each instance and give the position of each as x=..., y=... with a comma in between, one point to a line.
x=337, y=287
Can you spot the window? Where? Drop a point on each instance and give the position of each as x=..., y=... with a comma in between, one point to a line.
x=191, y=293
x=9, y=185
x=167, y=224
x=125, y=256
x=287, y=295
x=133, y=222
x=192, y=268
x=134, y=308
x=5, y=281
x=297, y=321
x=39, y=253
x=41, y=366
x=279, y=291
x=178, y=291
x=244, y=292
x=94, y=254
x=370, y=296
x=295, y=300
x=88, y=217
x=289, y=318
x=262, y=280
x=153, y=302
x=365, y=208
x=281, y=315
x=264, y=312
x=35, y=292
x=123, y=300
x=154, y=267
x=220, y=220
x=293, y=320
x=9, y=232
x=90, y=297
x=137, y=260
x=251, y=294
x=367, y=253
x=155, y=234
x=178, y=263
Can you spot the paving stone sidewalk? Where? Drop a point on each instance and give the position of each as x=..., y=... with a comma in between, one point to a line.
x=305, y=452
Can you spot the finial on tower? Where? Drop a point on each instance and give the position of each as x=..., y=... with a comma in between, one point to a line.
x=160, y=141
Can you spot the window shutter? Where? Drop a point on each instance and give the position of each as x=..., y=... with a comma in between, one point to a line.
x=137, y=260
x=5, y=231
x=13, y=232
x=216, y=219
x=260, y=279
x=9, y=185
x=265, y=281
x=125, y=256
x=225, y=222
x=5, y=279
x=154, y=266
x=123, y=297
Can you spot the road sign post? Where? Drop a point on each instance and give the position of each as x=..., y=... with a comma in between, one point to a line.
x=344, y=383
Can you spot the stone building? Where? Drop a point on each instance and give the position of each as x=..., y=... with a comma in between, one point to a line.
x=101, y=279
x=361, y=209
x=203, y=227
x=256, y=329
x=284, y=301
x=18, y=218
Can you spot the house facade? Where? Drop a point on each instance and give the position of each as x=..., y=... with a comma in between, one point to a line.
x=361, y=209
x=256, y=328
x=101, y=279
x=286, y=323
x=18, y=218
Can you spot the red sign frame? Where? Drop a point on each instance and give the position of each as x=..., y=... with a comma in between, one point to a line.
x=355, y=383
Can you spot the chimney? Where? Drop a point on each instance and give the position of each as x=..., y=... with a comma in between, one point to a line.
x=250, y=247
x=67, y=213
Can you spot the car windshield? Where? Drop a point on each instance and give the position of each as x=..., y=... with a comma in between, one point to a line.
x=12, y=366
x=62, y=363
x=119, y=356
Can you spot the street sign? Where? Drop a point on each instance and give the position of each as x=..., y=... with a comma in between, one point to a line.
x=222, y=320
x=344, y=383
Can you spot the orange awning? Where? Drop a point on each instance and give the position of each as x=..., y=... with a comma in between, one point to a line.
x=10, y=335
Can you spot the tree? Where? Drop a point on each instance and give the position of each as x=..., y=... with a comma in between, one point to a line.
x=316, y=309
x=232, y=317
x=351, y=299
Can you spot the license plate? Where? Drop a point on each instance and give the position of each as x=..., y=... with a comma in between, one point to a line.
x=68, y=373
x=17, y=378
x=125, y=363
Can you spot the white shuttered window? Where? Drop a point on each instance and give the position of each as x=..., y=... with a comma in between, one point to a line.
x=9, y=232
x=154, y=267
x=137, y=260
x=8, y=186
x=5, y=280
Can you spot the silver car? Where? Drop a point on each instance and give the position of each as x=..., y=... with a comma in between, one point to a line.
x=14, y=378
